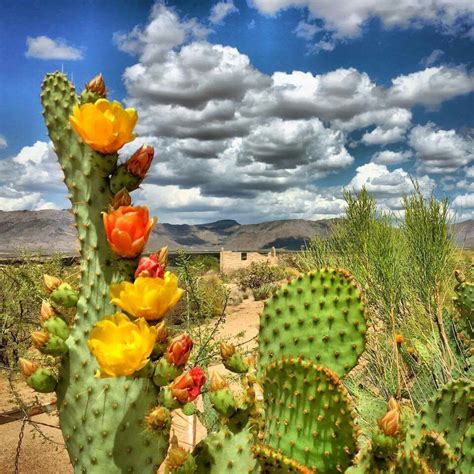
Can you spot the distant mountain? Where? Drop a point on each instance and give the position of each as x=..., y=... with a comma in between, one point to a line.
x=50, y=231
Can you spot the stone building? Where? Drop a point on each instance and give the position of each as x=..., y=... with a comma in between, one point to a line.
x=231, y=261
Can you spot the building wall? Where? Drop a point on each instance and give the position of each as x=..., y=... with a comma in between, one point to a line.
x=231, y=261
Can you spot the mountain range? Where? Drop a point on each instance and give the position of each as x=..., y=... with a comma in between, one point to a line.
x=50, y=231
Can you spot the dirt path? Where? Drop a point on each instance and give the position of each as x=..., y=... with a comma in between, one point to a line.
x=41, y=456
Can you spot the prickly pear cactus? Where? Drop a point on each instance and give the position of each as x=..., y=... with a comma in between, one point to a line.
x=102, y=419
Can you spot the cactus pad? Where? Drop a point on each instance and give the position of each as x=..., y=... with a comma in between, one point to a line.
x=308, y=415
x=273, y=462
x=225, y=452
x=449, y=413
x=319, y=316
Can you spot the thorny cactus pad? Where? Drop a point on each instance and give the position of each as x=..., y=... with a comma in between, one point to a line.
x=319, y=316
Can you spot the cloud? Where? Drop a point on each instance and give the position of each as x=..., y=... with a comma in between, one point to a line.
x=42, y=47
x=3, y=142
x=388, y=186
x=221, y=10
x=430, y=87
x=306, y=30
x=163, y=33
x=432, y=58
x=383, y=136
x=32, y=179
x=347, y=19
x=388, y=157
x=463, y=205
x=440, y=151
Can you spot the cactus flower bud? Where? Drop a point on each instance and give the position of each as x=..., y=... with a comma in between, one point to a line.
x=217, y=382
x=47, y=311
x=27, y=367
x=179, y=349
x=139, y=163
x=51, y=282
x=221, y=396
x=39, y=339
x=389, y=423
x=65, y=295
x=399, y=339
x=410, y=350
x=187, y=386
x=177, y=456
x=233, y=360
x=57, y=327
x=150, y=267
x=122, y=198
x=97, y=86
x=42, y=380
x=158, y=418
x=162, y=332
x=163, y=256
x=227, y=350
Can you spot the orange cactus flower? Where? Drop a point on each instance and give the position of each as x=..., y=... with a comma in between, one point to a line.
x=399, y=339
x=128, y=229
x=187, y=386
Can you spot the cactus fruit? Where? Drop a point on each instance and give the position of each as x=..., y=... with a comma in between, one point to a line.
x=319, y=316
x=42, y=380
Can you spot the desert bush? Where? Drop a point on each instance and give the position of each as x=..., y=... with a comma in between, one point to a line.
x=259, y=274
x=405, y=266
x=21, y=294
x=264, y=292
x=205, y=296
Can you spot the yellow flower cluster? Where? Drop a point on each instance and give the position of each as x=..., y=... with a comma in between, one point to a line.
x=121, y=346
x=147, y=297
x=105, y=126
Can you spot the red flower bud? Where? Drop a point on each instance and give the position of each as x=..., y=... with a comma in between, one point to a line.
x=187, y=386
x=179, y=349
x=150, y=267
x=139, y=163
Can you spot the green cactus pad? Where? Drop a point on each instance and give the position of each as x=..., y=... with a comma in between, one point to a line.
x=411, y=463
x=273, y=462
x=466, y=454
x=437, y=453
x=319, y=316
x=449, y=412
x=102, y=420
x=225, y=452
x=308, y=415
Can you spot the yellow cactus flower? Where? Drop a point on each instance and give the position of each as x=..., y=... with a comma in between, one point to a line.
x=147, y=297
x=121, y=346
x=105, y=126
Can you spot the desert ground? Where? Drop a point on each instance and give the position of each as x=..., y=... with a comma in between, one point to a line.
x=40, y=455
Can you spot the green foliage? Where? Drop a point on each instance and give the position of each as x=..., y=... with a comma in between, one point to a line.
x=21, y=294
x=259, y=274
x=206, y=294
x=388, y=256
x=264, y=292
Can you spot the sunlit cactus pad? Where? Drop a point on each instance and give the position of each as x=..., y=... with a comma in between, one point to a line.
x=319, y=316
x=308, y=415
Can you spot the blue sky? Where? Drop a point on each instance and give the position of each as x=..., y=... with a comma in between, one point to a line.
x=265, y=109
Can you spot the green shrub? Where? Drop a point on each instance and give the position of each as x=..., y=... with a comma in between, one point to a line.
x=264, y=292
x=21, y=294
x=258, y=274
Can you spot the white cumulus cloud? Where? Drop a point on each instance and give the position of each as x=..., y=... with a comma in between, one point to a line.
x=440, y=151
x=43, y=47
